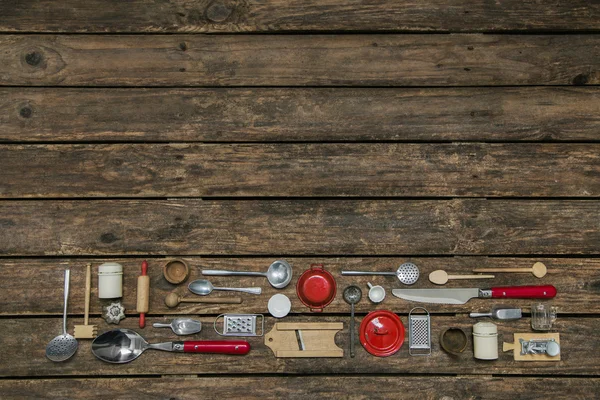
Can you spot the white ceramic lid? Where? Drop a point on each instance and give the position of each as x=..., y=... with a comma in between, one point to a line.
x=485, y=328
x=279, y=305
x=110, y=268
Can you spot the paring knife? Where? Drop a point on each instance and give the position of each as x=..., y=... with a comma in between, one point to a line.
x=461, y=296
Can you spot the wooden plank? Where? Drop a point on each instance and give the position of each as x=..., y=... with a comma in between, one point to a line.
x=294, y=227
x=316, y=170
x=296, y=114
x=24, y=354
x=304, y=15
x=298, y=387
x=31, y=286
x=299, y=60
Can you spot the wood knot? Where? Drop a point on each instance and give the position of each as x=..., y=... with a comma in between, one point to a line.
x=218, y=11
x=34, y=58
x=25, y=112
x=580, y=79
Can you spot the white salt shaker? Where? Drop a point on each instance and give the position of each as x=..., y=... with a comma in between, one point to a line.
x=110, y=280
x=485, y=341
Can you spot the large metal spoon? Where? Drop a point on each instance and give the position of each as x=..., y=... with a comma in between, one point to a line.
x=407, y=273
x=63, y=346
x=124, y=345
x=279, y=273
x=204, y=287
x=352, y=295
x=182, y=326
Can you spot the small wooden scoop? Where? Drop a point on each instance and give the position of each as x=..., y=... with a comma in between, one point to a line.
x=538, y=270
x=440, y=277
x=86, y=331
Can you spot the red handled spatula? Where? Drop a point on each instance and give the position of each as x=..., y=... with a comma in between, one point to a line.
x=461, y=296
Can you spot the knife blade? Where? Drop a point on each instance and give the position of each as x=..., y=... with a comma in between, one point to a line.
x=461, y=296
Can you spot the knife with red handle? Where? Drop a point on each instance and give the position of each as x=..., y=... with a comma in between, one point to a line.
x=461, y=296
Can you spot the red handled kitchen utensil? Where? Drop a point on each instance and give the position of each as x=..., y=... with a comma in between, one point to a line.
x=124, y=345
x=143, y=293
x=316, y=288
x=461, y=296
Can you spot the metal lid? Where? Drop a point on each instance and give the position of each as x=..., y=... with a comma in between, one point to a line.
x=382, y=333
x=110, y=268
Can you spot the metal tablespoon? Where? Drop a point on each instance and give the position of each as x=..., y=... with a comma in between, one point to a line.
x=279, y=273
x=63, y=346
x=352, y=295
x=204, y=287
x=182, y=326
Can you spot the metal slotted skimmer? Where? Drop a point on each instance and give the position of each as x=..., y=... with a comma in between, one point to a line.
x=240, y=324
x=419, y=331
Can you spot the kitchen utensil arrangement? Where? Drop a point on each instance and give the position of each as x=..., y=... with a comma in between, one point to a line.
x=381, y=332
x=407, y=273
x=352, y=295
x=181, y=326
x=441, y=277
x=538, y=270
x=86, y=331
x=63, y=346
x=124, y=345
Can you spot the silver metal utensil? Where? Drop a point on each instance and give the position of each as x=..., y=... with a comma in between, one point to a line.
x=419, y=333
x=500, y=312
x=63, y=346
x=407, y=273
x=352, y=295
x=182, y=326
x=203, y=287
x=279, y=273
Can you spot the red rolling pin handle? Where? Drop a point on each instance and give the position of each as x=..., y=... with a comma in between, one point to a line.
x=236, y=347
x=524, y=292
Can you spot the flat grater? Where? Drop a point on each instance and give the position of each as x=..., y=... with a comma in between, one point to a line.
x=240, y=324
x=419, y=333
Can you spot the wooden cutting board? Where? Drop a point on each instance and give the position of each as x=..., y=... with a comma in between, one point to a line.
x=286, y=339
x=516, y=347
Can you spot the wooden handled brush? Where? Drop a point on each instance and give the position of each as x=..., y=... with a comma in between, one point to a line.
x=86, y=331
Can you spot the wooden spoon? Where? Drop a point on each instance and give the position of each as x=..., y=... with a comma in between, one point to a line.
x=440, y=277
x=538, y=270
x=172, y=300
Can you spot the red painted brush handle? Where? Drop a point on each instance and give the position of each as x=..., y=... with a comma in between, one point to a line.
x=239, y=347
x=524, y=292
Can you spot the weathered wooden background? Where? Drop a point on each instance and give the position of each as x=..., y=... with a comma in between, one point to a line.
x=359, y=134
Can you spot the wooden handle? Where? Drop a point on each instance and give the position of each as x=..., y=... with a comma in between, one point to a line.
x=471, y=276
x=508, y=346
x=88, y=289
x=502, y=270
x=224, y=300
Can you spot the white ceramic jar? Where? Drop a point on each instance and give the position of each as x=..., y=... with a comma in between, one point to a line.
x=110, y=280
x=485, y=341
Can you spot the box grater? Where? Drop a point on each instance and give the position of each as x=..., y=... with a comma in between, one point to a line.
x=419, y=332
x=241, y=324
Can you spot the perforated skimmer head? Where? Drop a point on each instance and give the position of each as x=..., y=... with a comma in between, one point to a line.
x=61, y=348
x=408, y=273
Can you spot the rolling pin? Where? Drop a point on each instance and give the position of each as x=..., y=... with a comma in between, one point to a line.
x=143, y=293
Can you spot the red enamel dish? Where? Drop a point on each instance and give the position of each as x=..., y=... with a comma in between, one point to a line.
x=316, y=288
x=382, y=333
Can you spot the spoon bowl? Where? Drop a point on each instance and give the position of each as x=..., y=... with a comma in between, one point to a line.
x=279, y=274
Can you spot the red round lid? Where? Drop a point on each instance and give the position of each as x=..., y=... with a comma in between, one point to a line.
x=382, y=333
